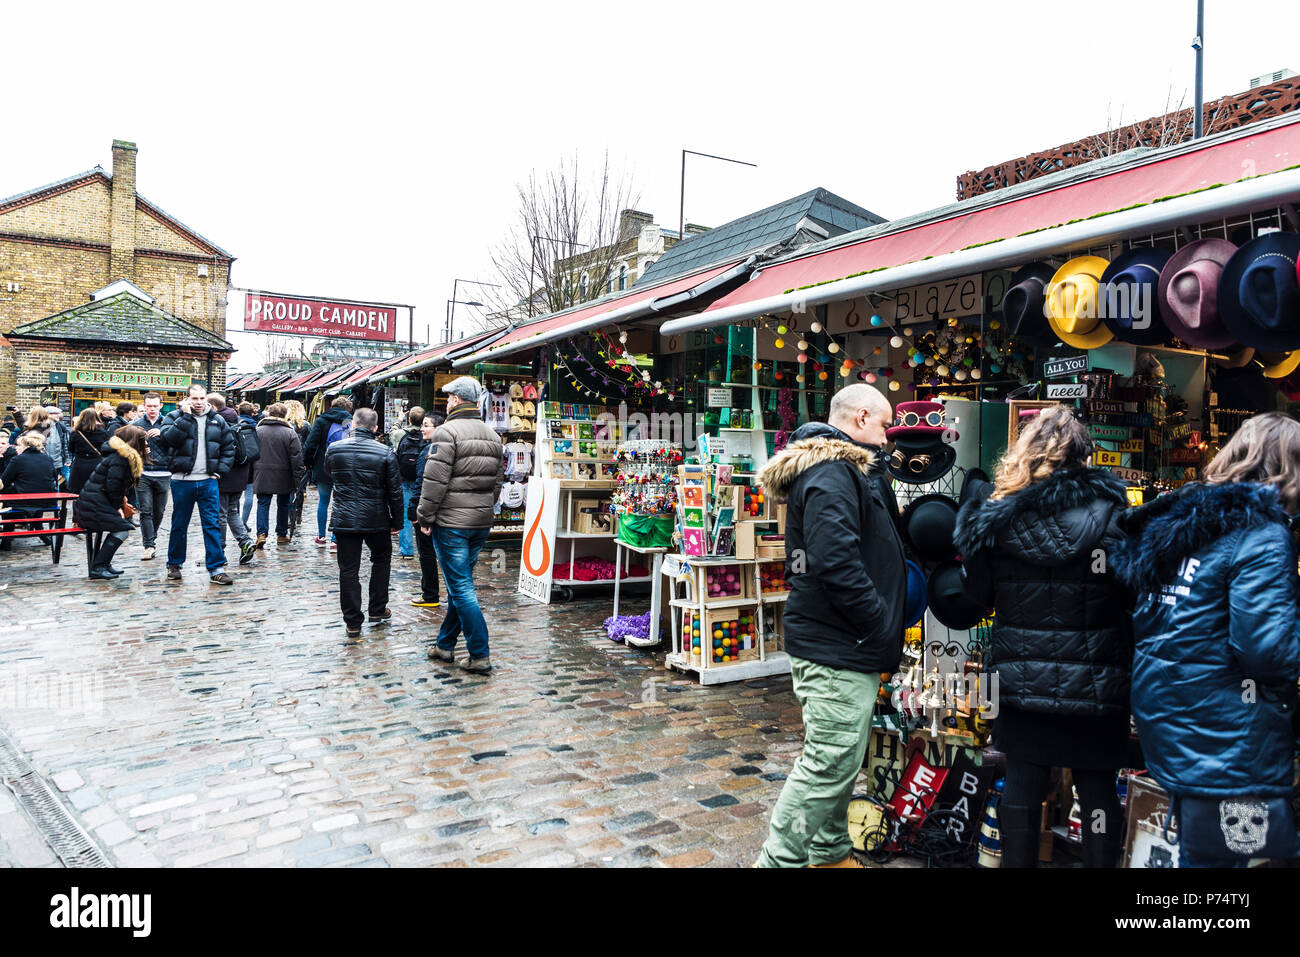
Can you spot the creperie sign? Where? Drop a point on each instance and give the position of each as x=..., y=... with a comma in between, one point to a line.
x=267, y=312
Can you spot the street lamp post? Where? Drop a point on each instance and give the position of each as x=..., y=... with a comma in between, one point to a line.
x=681, y=220
x=1198, y=44
x=451, y=303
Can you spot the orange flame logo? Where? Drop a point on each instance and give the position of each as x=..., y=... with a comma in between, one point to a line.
x=545, y=563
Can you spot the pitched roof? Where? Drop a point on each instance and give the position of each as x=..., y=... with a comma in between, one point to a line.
x=767, y=227
x=80, y=179
x=123, y=318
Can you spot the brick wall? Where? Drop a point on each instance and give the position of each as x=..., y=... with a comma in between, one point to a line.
x=33, y=362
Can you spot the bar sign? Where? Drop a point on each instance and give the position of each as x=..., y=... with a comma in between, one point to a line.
x=1109, y=433
x=1131, y=445
x=1103, y=457
x=1067, y=390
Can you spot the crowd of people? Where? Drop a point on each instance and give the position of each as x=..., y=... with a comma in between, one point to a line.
x=1180, y=614
x=434, y=487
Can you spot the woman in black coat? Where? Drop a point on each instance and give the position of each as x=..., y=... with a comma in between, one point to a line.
x=86, y=443
x=279, y=469
x=26, y=473
x=1038, y=551
x=99, y=508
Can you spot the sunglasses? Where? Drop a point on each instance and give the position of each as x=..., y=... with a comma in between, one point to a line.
x=910, y=419
x=916, y=464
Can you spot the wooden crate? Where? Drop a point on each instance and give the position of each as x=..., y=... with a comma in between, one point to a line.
x=720, y=625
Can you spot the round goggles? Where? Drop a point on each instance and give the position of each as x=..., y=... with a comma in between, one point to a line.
x=916, y=464
x=911, y=419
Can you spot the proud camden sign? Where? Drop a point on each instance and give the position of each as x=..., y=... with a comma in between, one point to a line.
x=325, y=318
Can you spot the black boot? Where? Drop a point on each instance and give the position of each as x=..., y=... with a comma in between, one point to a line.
x=101, y=568
x=1019, y=835
x=1100, y=851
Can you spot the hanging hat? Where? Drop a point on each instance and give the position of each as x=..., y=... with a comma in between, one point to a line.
x=948, y=601
x=914, y=605
x=530, y=410
x=928, y=522
x=1189, y=293
x=530, y=392
x=1130, y=299
x=1235, y=358
x=921, y=459
x=919, y=420
x=1278, y=365
x=1259, y=292
x=516, y=390
x=1022, y=305
x=976, y=485
x=516, y=424
x=1072, y=303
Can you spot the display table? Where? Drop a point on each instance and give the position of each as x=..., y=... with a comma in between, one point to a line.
x=656, y=589
x=719, y=636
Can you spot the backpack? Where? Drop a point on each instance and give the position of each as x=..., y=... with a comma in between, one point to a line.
x=247, y=448
x=408, y=452
x=338, y=430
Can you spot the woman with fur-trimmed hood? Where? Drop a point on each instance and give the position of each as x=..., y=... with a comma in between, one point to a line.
x=1038, y=550
x=1214, y=678
x=100, y=505
x=843, y=619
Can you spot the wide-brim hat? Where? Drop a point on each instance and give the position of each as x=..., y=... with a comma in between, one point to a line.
x=1130, y=296
x=928, y=522
x=1278, y=365
x=516, y=390
x=1072, y=303
x=946, y=594
x=914, y=604
x=918, y=460
x=1189, y=293
x=1259, y=293
x=923, y=429
x=976, y=485
x=1022, y=304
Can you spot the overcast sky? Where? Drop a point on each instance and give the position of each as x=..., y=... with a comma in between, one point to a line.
x=370, y=151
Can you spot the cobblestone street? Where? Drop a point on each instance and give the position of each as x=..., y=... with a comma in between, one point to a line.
x=237, y=726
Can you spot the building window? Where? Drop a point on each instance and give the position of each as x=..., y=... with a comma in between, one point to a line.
x=622, y=277
x=583, y=285
x=645, y=266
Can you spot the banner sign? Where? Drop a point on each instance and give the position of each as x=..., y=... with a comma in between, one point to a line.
x=1067, y=390
x=537, y=557
x=289, y=315
x=1102, y=457
x=110, y=379
x=1070, y=365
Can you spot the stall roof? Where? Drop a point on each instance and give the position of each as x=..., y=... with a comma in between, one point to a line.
x=303, y=378
x=993, y=225
x=441, y=353
x=364, y=373
x=636, y=302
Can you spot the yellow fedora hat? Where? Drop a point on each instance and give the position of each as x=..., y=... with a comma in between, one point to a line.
x=1278, y=365
x=1072, y=303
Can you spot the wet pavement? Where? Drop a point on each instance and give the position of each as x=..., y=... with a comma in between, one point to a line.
x=193, y=724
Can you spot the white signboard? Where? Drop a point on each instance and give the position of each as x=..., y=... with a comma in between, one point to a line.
x=537, y=557
x=719, y=398
x=1067, y=390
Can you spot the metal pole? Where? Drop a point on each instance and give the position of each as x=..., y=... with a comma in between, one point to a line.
x=681, y=213
x=532, y=263
x=1198, y=121
x=412, y=336
x=451, y=320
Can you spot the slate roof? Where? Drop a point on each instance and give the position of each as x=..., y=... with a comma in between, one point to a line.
x=126, y=319
x=748, y=234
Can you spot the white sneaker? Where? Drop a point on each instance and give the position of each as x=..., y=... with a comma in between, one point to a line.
x=148, y=554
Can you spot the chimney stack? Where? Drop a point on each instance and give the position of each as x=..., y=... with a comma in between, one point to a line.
x=630, y=223
x=122, y=221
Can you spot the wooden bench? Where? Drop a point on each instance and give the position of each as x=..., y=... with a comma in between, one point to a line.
x=17, y=527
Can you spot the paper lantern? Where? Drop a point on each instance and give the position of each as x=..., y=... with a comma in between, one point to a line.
x=894, y=386
x=781, y=329
x=975, y=373
x=942, y=370
x=799, y=377
x=803, y=344
x=822, y=375
x=877, y=321
x=802, y=357
x=816, y=327
x=780, y=343
x=833, y=348
x=896, y=342
x=871, y=378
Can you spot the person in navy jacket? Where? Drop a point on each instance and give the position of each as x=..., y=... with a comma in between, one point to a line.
x=1213, y=566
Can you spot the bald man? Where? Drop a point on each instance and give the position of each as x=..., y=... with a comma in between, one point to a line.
x=843, y=619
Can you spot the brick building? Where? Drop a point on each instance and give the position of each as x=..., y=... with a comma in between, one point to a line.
x=105, y=295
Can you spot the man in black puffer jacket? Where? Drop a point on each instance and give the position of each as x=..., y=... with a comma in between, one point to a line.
x=200, y=450
x=367, y=510
x=313, y=456
x=843, y=619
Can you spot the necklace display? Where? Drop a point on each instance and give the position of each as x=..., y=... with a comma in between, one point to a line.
x=646, y=483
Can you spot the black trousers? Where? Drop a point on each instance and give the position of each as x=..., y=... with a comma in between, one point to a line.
x=153, y=491
x=381, y=564
x=429, y=588
x=1099, y=807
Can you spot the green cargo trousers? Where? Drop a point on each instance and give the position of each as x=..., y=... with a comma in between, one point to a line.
x=810, y=821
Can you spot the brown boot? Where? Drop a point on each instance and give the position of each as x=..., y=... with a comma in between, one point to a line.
x=849, y=861
x=261, y=539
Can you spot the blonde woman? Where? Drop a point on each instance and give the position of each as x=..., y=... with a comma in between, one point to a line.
x=1036, y=551
x=29, y=472
x=1213, y=566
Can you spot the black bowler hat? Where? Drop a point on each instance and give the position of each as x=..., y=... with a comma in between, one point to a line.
x=975, y=485
x=1259, y=293
x=928, y=522
x=1129, y=297
x=1022, y=305
x=948, y=601
x=918, y=460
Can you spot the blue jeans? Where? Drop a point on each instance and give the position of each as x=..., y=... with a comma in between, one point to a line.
x=281, y=513
x=185, y=495
x=66, y=472
x=248, y=503
x=406, y=538
x=323, y=490
x=458, y=550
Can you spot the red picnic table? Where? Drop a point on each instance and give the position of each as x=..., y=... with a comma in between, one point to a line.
x=21, y=527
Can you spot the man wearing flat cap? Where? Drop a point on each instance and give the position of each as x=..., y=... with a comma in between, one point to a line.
x=462, y=479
